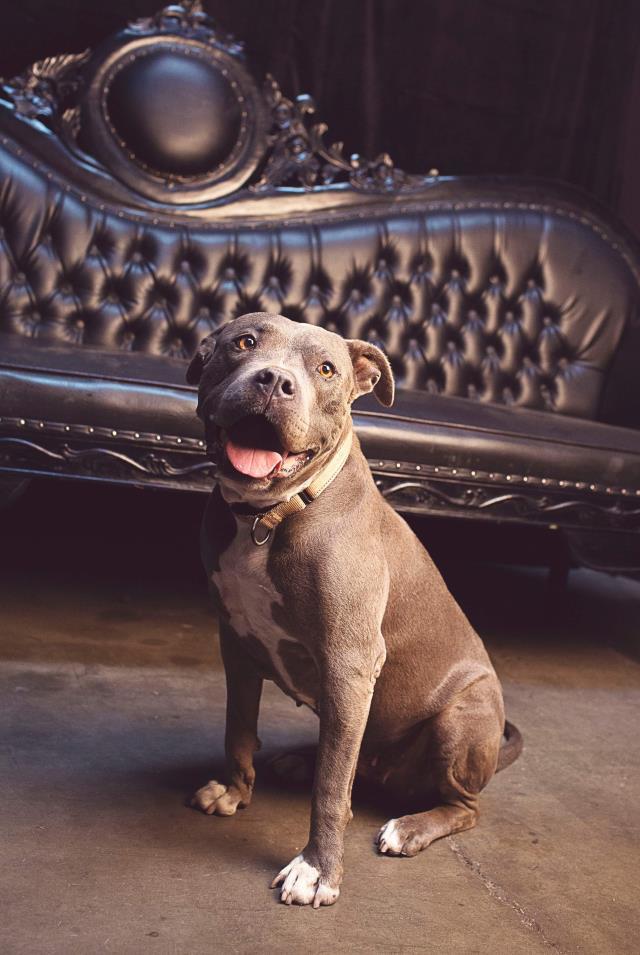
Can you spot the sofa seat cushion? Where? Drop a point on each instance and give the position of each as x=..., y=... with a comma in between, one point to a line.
x=86, y=388
x=88, y=393
x=502, y=444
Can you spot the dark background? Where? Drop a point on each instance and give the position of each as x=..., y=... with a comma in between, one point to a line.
x=542, y=87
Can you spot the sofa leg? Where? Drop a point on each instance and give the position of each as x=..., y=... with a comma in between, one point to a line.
x=12, y=486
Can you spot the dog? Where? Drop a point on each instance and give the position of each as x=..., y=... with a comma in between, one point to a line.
x=321, y=587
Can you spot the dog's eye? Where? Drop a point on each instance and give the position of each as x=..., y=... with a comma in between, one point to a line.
x=245, y=342
x=326, y=369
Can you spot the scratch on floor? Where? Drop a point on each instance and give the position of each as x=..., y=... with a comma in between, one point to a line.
x=497, y=892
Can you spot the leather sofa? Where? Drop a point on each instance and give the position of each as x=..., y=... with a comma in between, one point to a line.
x=153, y=188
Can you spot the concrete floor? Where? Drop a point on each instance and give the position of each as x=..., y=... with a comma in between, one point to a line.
x=112, y=713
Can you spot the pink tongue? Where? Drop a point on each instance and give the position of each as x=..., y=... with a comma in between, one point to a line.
x=252, y=461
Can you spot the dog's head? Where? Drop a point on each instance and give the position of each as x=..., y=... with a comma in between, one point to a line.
x=275, y=398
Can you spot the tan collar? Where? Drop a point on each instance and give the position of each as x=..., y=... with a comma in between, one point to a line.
x=264, y=524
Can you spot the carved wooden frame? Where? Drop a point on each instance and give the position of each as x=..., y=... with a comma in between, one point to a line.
x=280, y=145
x=175, y=462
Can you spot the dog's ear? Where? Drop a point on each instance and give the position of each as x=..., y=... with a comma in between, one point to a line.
x=371, y=372
x=203, y=355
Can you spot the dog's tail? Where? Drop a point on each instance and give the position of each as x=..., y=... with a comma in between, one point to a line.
x=511, y=747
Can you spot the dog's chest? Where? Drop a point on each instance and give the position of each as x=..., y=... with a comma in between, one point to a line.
x=251, y=599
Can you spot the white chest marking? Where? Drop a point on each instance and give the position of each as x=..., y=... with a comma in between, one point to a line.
x=248, y=595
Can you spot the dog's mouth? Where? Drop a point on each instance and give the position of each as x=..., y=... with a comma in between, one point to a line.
x=254, y=448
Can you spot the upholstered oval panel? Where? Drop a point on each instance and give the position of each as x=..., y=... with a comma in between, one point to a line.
x=176, y=120
x=488, y=299
x=177, y=114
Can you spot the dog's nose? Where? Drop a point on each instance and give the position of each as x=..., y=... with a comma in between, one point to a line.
x=277, y=382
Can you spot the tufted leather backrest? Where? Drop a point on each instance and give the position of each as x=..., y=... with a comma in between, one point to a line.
x=510, y=292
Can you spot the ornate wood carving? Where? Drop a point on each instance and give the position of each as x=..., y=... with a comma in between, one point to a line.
x=187, y=19
x=48, y=91
x=299, y=156
x=174, y=462
x=295, y=153
x=533, y=505
x=138, y=465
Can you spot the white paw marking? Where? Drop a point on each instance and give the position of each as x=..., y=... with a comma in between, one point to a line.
x=214, y=797
x=389, y=840
x=301, y=884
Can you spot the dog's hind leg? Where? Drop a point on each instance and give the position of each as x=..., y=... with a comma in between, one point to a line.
x=463, y=742
x=409, y=834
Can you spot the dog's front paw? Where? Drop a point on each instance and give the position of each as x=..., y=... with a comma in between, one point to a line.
x=302, y=884
x=216, y=798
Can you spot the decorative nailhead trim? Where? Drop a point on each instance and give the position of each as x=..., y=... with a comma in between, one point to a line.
x=82, y=430
x=458, y=473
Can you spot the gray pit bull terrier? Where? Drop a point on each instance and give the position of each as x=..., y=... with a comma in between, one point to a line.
x=321, y=587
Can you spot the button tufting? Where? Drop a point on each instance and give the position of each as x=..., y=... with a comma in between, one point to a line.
x=439, y=336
